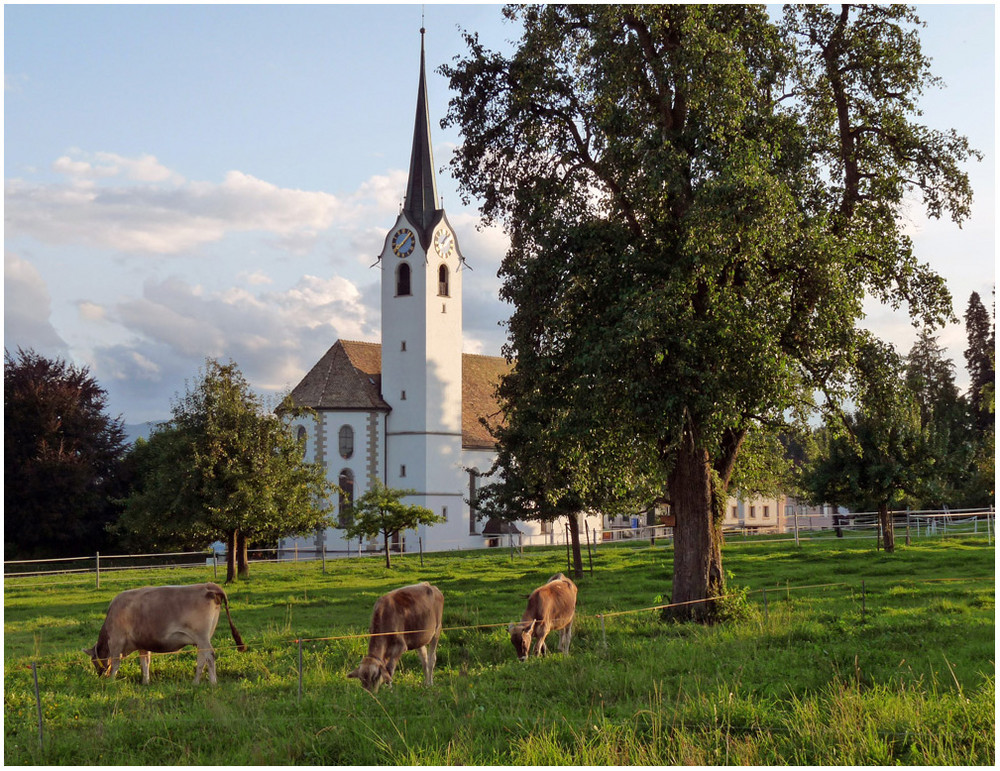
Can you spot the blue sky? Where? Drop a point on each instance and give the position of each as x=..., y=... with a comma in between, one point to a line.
x=198, y=181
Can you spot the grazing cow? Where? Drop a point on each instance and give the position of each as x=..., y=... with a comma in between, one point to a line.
x=550, y=607
x=161, y=619
x=403, y=620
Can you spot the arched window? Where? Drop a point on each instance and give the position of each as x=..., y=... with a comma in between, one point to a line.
x=345, y=502
x=473, y=499
x=403, y=280
x=443, y=281
x=346, y=441
x=300, y=437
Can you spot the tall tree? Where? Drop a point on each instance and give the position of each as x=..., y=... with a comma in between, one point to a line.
x=946, y=427
x=225, y=468
x=381, y=511
x=62, y=453
x=698, y=200
x=980, y=359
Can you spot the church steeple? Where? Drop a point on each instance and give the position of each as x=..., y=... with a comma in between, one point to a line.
x=421, y=202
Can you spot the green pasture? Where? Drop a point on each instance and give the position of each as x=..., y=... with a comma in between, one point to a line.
x=837, y=654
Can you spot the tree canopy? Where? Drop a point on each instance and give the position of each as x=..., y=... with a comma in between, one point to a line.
x=381, y=511
x=698, y=200
x=62, y=453
x=224, y=468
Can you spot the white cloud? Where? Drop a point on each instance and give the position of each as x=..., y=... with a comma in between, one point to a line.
x=91, y=311
x=274, y=337
x=27, y=309
x=150, y=209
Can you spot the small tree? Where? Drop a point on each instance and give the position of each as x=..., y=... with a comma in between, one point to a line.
x=382, y=511
x=875, y=456
x=225, y=467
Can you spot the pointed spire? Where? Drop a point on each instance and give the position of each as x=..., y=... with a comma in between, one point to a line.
x=421, y=188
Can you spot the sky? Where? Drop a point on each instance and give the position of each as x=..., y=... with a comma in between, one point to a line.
x=185, y=182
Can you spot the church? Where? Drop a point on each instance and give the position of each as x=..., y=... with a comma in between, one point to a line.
x=406, y=411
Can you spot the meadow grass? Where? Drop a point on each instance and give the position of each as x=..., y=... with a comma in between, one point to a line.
x=826, y=673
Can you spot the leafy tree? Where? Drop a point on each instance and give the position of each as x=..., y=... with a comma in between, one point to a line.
x=698, y=201
x=873, y=458
x=382, y=511
x=550, y=464
x=224, y=468
x=61, y=458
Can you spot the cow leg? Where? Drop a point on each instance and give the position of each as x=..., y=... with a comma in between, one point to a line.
x=144, y=659
x=424, y=659
x=200, y=664
x=211, y=666
x=565, y=636
x=116, y=661
x=543, y=631
x=432, y=648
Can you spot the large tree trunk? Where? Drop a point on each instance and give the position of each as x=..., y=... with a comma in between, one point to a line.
x=231, y=557
x=697, y=537
x=574, y=534
x=885, y=523
x=242, y=560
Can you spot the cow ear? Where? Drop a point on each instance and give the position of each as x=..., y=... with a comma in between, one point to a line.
x=531, y=627
x=89, y=652
x=356, y=673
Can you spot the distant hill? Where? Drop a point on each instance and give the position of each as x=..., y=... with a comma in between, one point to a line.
x=135, y=430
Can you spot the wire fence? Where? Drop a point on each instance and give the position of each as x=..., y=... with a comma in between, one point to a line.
x=937, y=523
x=295, y=644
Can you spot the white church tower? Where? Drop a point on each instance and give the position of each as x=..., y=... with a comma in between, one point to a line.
x=422, y=336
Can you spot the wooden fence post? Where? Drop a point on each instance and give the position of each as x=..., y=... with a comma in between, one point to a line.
x=420, y=544
x=97, y=569
x=215, y=564
x=907, y=525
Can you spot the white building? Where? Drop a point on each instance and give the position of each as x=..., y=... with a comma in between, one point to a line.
x=407, y=411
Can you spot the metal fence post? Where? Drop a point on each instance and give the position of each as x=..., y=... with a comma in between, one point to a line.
x=38, y=701
x=907, y=525
x=300, y=670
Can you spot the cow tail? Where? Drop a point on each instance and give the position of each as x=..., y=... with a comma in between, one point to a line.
x=240, y=645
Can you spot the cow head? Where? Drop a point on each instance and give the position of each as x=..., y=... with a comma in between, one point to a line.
x=372, y=673
x=520, y=636
x=102, y=665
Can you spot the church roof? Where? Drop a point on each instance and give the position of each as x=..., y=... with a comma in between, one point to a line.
x=421, y=204
x=349, y=377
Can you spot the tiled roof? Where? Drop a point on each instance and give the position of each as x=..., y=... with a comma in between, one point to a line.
x=480, y=377
x=349, y=377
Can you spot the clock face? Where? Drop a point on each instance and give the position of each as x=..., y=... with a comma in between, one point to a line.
x=444, y=243
x=403, y=242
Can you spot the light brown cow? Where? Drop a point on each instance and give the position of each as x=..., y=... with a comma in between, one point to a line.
x=550, y=607
x=162, y=619
x=403, y=620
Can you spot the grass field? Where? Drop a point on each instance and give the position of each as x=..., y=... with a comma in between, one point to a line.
x=857, y=657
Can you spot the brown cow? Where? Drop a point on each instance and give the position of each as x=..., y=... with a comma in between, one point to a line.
x=161, y=619
x=550, y=607
x=403, y=620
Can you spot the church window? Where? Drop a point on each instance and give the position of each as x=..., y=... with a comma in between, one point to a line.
x=346, y=498
x=300, y=437
x=403, y=280
x=473, y=499
x=402, y=470
x=346, y=441
x=444, y=513
x=402, y=346
x=443, y=281
x=402, y=396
